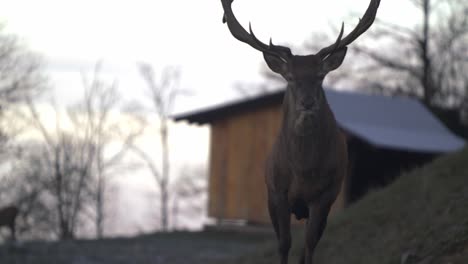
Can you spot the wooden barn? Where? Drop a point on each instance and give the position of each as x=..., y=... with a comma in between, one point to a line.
x=385, y=137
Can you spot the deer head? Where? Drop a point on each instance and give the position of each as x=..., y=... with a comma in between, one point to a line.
x=304, y=74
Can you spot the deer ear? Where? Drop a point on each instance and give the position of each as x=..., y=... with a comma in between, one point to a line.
x=333, y=61
x=276, y=64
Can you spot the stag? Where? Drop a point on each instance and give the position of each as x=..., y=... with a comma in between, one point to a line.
x=308, y=161
x=8, y=217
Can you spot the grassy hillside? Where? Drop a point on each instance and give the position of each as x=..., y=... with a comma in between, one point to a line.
x=421, y=218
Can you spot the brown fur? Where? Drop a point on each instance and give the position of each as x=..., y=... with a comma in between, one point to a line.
x=303, y=175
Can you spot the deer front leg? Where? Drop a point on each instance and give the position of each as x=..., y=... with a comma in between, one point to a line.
x=281, y=220
x=316, y=224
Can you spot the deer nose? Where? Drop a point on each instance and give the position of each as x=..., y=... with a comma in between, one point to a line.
x=307, y=104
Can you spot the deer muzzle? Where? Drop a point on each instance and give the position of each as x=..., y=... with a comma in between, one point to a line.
x=304, y=122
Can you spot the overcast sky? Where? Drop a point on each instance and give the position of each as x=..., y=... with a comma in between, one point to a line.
x=73, y=35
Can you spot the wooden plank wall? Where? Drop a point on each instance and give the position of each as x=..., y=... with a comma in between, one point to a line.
x=239, y=147
x=218, y=170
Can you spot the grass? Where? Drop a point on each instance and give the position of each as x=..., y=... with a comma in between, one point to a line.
x=168, y=248
x=421, y=218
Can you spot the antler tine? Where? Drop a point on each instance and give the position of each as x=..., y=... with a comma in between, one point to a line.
x=323, y=53
x=255, y=39
x=242, y=35
x=363, y=25
x=237, y=30
x=284, y=51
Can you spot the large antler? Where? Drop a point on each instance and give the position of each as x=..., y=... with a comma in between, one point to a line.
x=242, y=35
x=361, y=27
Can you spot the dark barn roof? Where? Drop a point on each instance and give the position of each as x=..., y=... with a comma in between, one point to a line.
x=391, y=122
x=208, y=115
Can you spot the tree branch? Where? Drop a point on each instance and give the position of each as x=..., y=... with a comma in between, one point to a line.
x=387, y=62
x=149, y=162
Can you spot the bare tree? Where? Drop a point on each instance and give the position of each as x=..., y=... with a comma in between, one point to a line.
x=26, y=185
x=20, y=77
x=112, y=133
x=19, y=187
x=20, y=71
x=52, y=185
x=87, y=144
x=70, y=180
x=427, y=61
x=75, y=160
x=162, y=93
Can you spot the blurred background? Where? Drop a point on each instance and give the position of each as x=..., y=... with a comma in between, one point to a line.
x=116, y=116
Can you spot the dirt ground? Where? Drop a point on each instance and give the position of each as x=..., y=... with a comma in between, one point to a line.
x=170, y=248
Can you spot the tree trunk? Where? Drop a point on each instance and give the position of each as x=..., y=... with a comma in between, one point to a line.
x=164, y=209
x=66, y=233
x=165, y=175
x=175, y=215
x=63, y=225
x=100, y=208
x=426, y=77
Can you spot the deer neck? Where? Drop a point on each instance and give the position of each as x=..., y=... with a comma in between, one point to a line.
x=305, y=132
